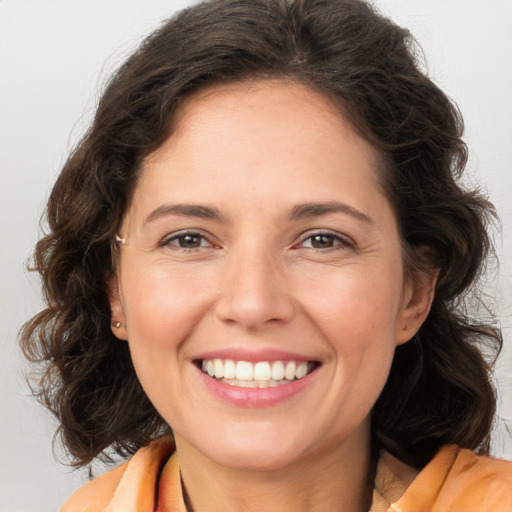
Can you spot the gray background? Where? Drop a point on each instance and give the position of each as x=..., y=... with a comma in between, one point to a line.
x=55, y=55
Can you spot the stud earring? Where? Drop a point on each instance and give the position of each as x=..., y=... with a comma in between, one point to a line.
x=116, y=324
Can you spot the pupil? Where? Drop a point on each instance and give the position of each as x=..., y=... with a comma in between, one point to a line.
x=322, y=241
x=189, y=241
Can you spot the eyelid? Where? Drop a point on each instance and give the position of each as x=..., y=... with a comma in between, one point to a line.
x=346, y=240
x=167, y=239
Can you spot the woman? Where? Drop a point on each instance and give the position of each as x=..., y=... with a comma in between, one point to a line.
x=261, y=247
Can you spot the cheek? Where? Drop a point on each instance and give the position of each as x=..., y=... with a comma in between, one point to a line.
x=357, y=315
x=161, y=309
x=361, y=301
x=161, y=313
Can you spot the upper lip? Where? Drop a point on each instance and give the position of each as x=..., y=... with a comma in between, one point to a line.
x=243, y=354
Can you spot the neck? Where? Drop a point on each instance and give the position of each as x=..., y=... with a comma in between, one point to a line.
x=342, y=479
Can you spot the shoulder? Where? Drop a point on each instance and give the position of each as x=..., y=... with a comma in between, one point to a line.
x=130, y=486
x=458, y=480
x=96, y=494
x=466, y=461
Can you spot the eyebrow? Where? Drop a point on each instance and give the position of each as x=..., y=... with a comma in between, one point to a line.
x=300, y=211
x=309, y=210
x=185, y=210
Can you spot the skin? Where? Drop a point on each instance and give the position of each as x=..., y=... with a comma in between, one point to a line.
x=254, y=151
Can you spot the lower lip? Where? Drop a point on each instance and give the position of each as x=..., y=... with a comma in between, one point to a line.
x=256, y=397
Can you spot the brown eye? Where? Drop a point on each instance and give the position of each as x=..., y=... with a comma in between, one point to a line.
x=322, y=241
x=189, y=241
x=186, y=240
x=326, y=241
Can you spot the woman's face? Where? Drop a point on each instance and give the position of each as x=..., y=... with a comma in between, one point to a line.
x=260, y=246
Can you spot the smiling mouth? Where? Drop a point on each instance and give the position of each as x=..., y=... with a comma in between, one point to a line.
x=262, y=374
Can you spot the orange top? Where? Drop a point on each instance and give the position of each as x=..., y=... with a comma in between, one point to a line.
x=456, y=480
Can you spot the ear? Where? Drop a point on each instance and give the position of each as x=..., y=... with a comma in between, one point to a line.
x=417, y=299
x=117, y=322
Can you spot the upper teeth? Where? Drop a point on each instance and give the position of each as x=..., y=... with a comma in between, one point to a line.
x=260, y=371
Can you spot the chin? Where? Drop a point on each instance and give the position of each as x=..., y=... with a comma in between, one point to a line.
x=253, y=454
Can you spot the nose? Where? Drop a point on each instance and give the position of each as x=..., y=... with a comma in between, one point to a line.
x=255, y=292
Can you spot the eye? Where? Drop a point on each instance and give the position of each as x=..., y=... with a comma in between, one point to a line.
x=325, y=240
x=187, y=240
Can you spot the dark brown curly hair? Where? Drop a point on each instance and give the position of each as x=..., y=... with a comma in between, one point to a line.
x=439, y=390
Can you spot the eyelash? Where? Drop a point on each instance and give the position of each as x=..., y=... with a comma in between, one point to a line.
x=167, y=241
x=344, y=242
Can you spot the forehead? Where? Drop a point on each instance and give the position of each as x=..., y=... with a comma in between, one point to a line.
x=259, y=136
x=278, y=93
x=255, y=110
x=272, y=103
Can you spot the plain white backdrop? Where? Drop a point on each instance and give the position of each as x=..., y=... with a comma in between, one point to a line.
x=55, y=55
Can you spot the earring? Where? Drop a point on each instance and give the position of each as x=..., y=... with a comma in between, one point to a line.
x=116, y=324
